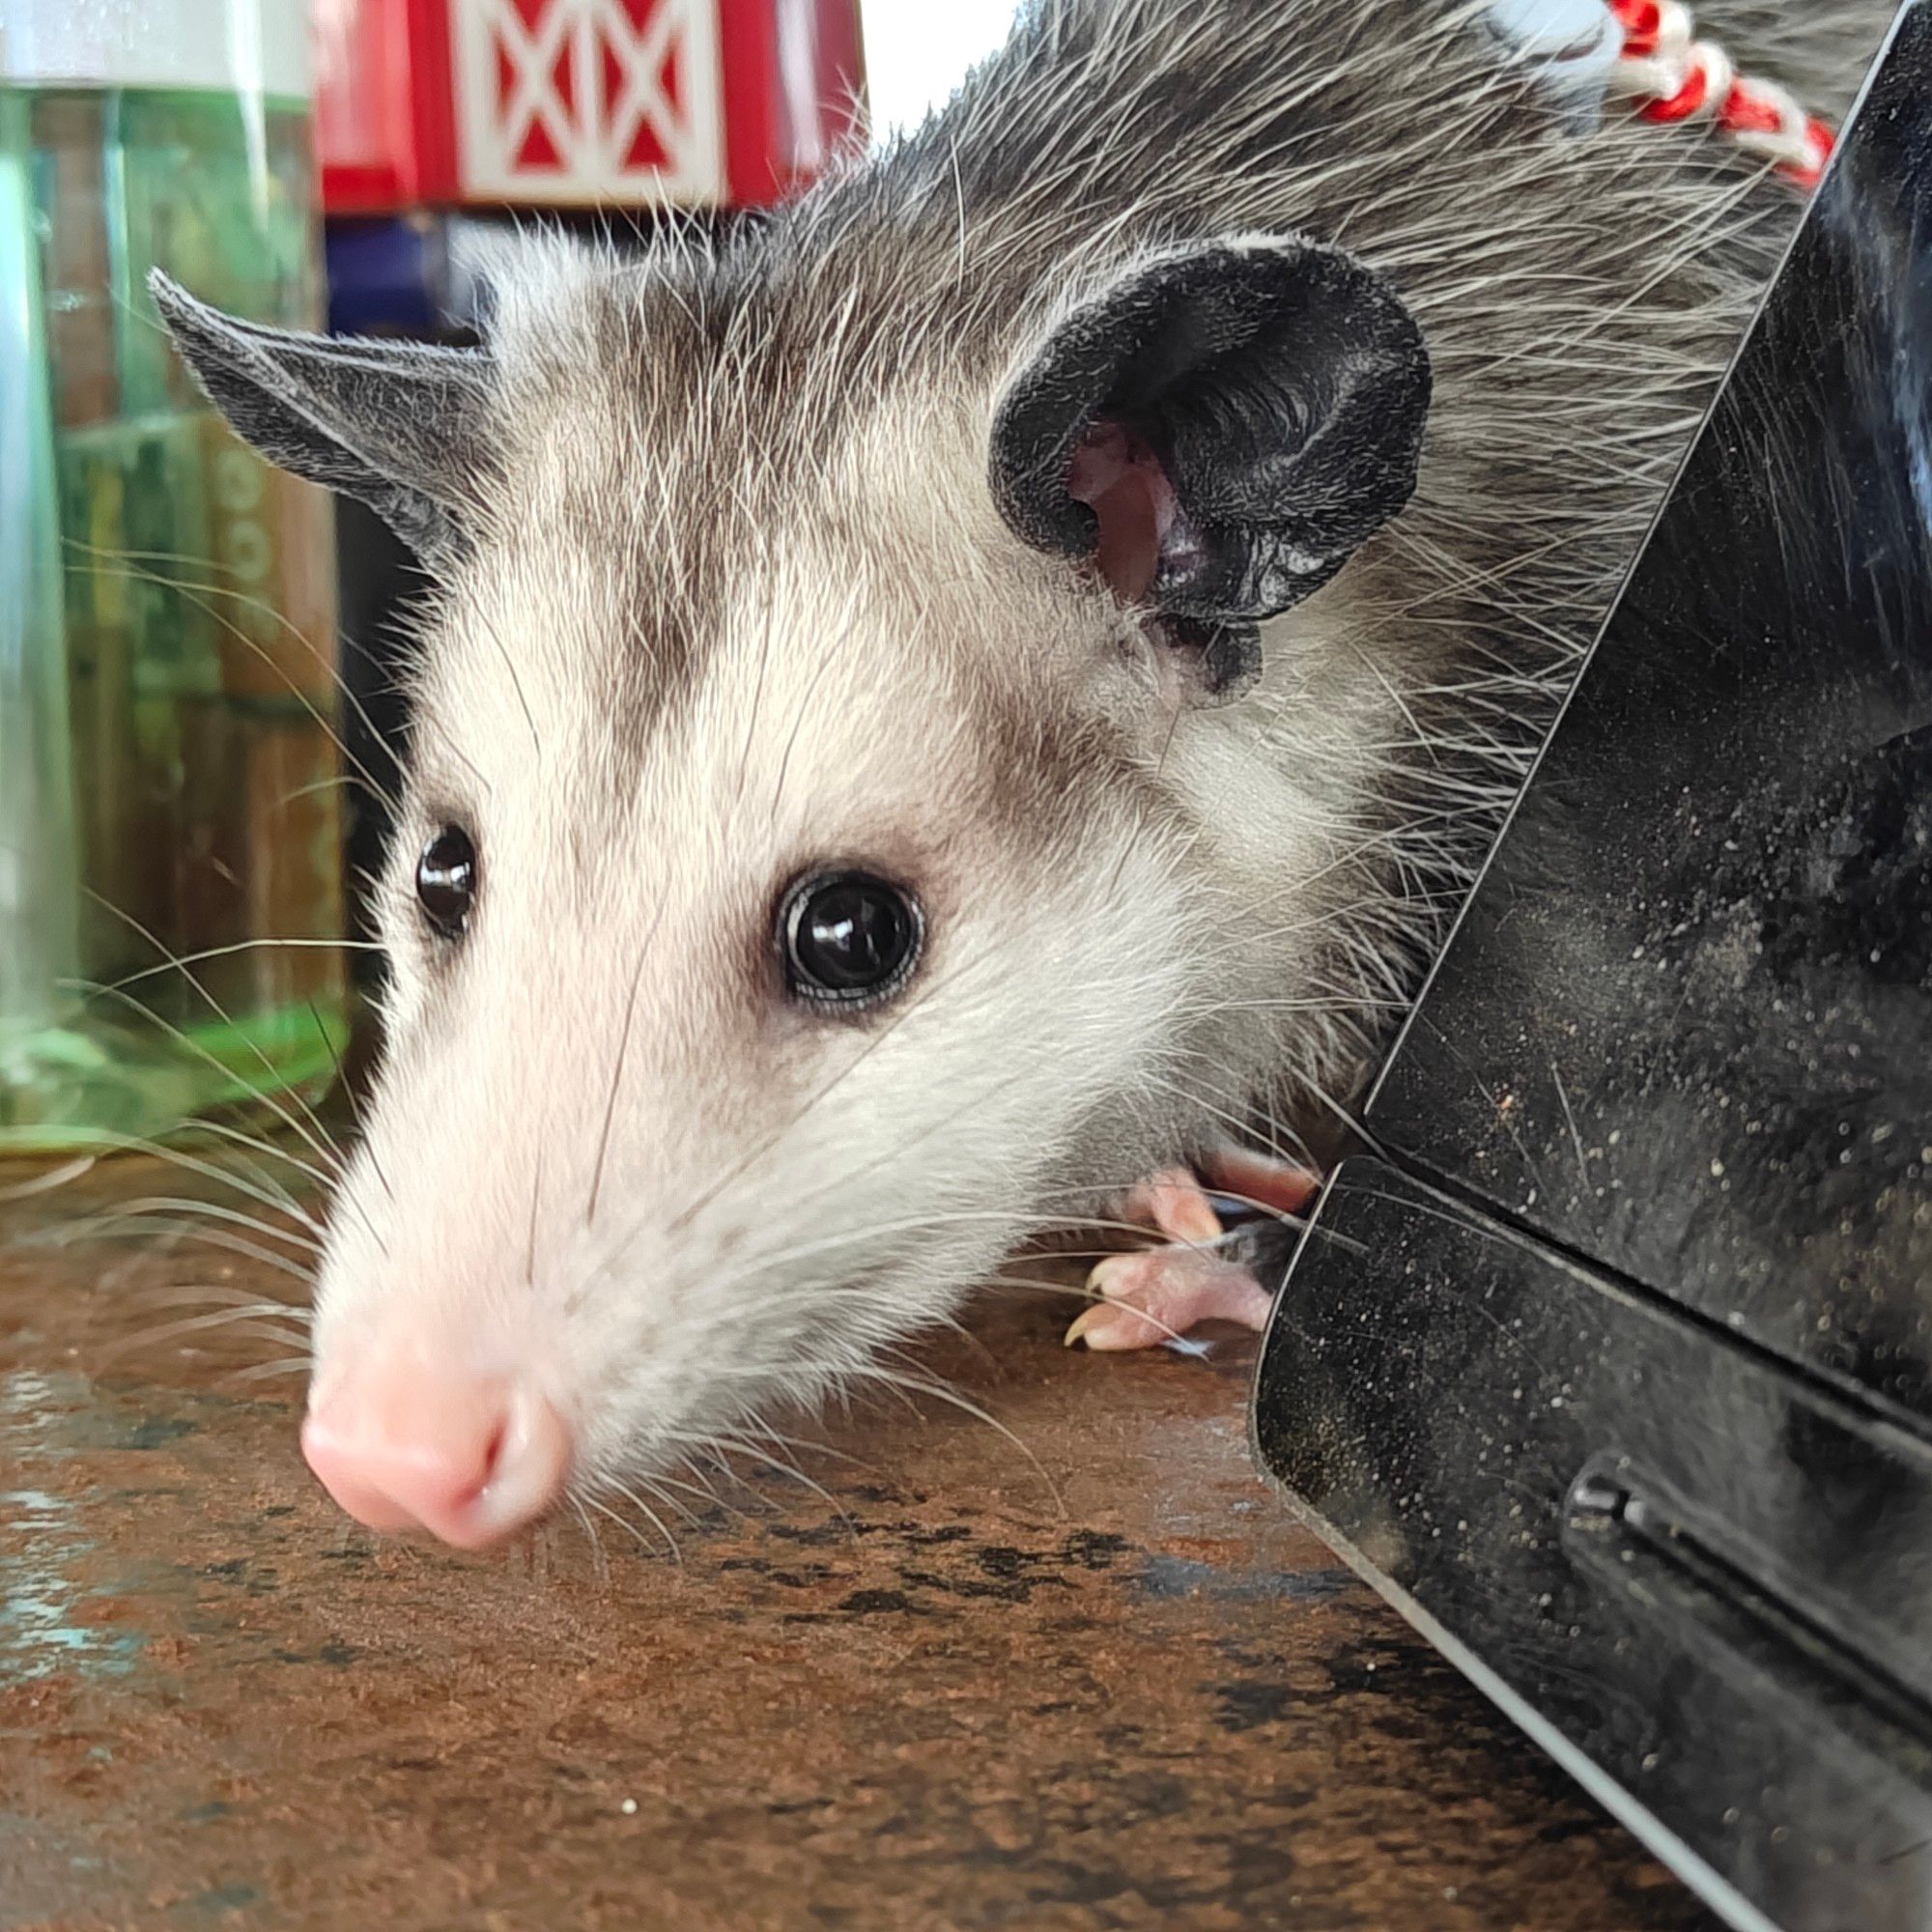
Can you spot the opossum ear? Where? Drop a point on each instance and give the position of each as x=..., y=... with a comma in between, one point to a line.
x=399, y=425
x=1218, y=433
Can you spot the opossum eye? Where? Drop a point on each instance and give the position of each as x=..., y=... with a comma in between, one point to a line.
x=446, y=880
x=848, y=939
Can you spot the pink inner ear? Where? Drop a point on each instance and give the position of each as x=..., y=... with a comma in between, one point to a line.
x=1115, y=472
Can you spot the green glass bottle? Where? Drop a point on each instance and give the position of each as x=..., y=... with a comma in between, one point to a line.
x=170, y=871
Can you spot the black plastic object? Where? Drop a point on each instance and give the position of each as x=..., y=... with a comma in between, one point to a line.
x=1612, y=1365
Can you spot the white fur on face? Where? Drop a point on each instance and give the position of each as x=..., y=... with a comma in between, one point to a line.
x=606, y=1152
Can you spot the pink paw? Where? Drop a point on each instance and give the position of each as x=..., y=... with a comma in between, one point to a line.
x=1157, y=1296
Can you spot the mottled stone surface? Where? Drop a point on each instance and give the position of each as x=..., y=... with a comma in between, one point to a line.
x=1098, y=1680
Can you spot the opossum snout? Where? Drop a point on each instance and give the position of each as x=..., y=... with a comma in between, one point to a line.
x=401, y=1444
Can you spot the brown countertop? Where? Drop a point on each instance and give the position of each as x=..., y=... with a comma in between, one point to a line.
x=1098, y=1681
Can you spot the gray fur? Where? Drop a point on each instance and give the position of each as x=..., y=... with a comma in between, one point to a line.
x=735, y=599
x=398, y=425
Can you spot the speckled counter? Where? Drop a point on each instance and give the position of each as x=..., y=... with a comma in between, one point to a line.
x=1098, y=1680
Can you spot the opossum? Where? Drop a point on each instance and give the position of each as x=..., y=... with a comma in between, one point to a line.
x=966, y=690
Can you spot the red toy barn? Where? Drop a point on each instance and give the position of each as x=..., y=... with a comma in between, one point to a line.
x=445, y=104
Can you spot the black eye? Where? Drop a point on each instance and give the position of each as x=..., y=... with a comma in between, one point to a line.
x=848, y=939
x=446, y=880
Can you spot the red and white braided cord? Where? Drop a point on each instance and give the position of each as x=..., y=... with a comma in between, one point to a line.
x=1670, y=75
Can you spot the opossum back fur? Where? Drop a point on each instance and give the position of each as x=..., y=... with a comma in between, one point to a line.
x=1578, y=297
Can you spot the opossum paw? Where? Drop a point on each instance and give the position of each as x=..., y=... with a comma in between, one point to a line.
x=1148, y=1298
x=1207, y=1274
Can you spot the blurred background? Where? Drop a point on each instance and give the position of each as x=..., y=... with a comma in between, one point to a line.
x=199, y=711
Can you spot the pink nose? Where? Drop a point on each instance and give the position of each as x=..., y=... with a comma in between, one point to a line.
x=402, y=1447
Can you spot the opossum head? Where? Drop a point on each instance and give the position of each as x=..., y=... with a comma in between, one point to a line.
x=788, y=908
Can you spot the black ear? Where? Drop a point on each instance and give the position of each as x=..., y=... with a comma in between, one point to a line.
x=403, y=426
x=1218, y=431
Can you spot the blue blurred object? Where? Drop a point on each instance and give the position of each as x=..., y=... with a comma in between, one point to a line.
x=388, y=274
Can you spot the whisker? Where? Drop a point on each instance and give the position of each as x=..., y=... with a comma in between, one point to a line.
x=650, y=1516
x=686, y=1215
x=630, y=1529
x=46, y=1183
x=203, y=1238
x=617, y=1071
x=329, y=1153
x=324, y=1148
x=183, y=959
x=601, y=1565
x=257, y=1187
x=239, y=1318
x=193, y=1294
x=214, y=1211
x=323, y=1176
x=194, y=594
x=738, y=1446
x=940, y=1392
x=289, y=1365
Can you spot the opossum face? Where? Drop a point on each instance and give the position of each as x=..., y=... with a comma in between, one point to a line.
x=720, y=1031
x=784, y=907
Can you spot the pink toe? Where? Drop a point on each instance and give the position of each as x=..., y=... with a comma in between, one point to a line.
x=1267, y=1183
x=1227, y=1294
x=1153, y=1297
x=1174, y=1203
